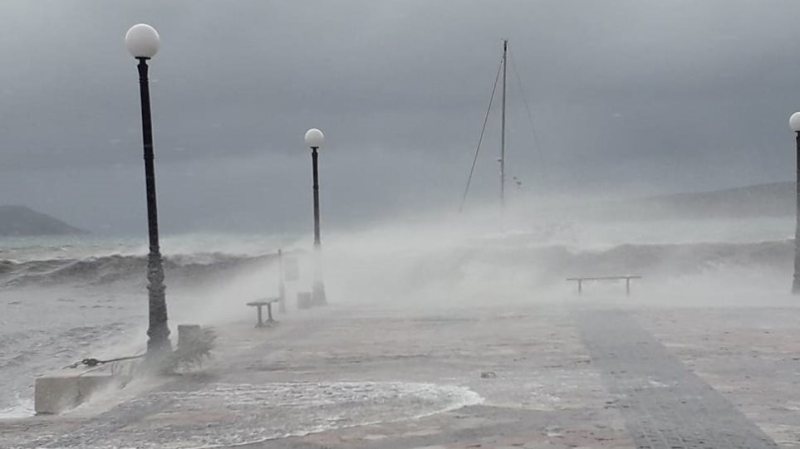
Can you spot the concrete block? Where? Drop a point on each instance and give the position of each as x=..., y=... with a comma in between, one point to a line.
x=188, y=334
x=54, y=394
x=304, y=300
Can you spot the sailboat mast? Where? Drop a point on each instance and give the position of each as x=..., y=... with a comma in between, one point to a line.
x=503, y=129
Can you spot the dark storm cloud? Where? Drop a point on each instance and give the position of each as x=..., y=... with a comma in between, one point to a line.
x=627, y=96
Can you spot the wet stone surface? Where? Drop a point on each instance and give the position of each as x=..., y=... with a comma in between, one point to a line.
x=563, y=377
x=664, y=404
x=234, y=414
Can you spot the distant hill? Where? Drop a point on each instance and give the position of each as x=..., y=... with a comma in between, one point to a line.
x=22, y=221
x=762, y=200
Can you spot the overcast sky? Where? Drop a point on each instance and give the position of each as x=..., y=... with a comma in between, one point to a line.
x=628, y=97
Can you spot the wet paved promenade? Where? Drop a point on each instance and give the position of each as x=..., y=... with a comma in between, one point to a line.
x=664, y=404
x=550, y=376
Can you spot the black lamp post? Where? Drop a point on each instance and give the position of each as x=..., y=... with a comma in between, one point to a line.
x=314, y=139
x=142, y=42
x=794, y=122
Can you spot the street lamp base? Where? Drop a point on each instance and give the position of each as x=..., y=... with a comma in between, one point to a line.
x=318, y=297
x=158, y=360
x=158, y=343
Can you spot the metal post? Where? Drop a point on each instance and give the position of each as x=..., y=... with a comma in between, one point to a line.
x=796, y=282
x=269, y=313
x=260, y=321
x=318, y=288
x=158, y=331
x=580, y=286
x=281, y=284
x=503, y=130
x=627, y=286
x=314, y=158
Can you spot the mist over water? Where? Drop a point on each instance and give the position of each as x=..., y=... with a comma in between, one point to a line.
x=63, y=300
x=602, y=129
x=494, y=257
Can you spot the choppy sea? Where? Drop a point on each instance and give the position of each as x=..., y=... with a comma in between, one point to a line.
x=66, y=298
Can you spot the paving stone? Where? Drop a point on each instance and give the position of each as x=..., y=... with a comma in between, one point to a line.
x=664, y=404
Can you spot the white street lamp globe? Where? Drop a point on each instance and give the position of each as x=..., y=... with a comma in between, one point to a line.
x=794, y=122
x=314, y=138
x=142, y=41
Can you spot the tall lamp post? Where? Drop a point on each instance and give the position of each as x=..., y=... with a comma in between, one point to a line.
x=142, y=42
x=314, y=139
x=794, y=123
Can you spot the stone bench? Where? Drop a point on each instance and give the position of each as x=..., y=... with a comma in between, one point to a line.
x=581, y=280
x=259, y=305
x=63, y=390
x=56, y=393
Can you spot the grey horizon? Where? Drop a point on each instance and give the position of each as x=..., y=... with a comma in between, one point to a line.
x=631, y=98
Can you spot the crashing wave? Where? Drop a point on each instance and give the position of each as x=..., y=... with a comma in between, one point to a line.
x=119, y=268
x=548, y=263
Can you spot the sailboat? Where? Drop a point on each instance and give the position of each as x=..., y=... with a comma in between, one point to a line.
x=500, y=78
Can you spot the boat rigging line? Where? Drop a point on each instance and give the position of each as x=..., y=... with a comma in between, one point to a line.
x=504, y=139
x=480, y=139
x=534, y=134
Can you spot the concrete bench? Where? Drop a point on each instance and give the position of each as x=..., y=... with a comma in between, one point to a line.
x=58, y=392
x=63, y=390
x=304, y=300
x=581, y=280
x=259, y=305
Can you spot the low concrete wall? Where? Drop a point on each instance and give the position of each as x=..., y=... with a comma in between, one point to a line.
x=59, y=392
